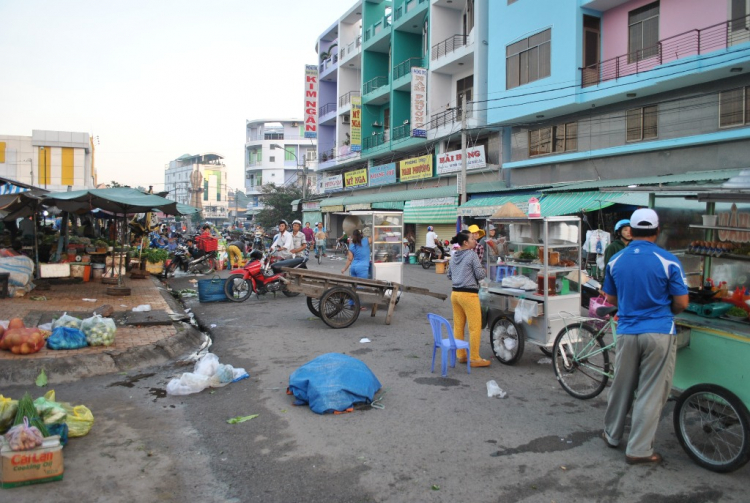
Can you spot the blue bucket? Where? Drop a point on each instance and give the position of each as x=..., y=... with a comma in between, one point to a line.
x=211, y=290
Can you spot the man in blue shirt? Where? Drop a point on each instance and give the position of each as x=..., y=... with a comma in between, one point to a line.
x=648, y=285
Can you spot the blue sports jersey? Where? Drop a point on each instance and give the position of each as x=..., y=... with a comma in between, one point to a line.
x=644, y=278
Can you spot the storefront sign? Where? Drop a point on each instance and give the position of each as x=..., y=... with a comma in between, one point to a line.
x=383, y=174
x=311, y=206
x=450, y=162
x=357, y=178
x=434, y=201
x=311, y=101
x=333, y=183
x=332, y=209
x=415, y=168
x=356, y=119
x=418, y=102
x=358, y=206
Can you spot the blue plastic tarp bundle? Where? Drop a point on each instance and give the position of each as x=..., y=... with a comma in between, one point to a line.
x=66, y=338
x=333, y=382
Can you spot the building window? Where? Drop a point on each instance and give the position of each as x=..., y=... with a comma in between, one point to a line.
x=273, y=146
x=643, y=32
x=734, y=106
x=528, y=60
x=288, y=155
x=273, y=136
x=641, y=123
x=272, y=159
x=557, y=139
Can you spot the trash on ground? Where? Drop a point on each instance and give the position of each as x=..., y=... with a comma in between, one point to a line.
x=333, y=383
x=213, y=325
x=37, y=297
x=495, y=391
x=241, y=419
x=208, y=373
x=364, y=340
x=544, y=361
x=89, y=300
x=41, y=379
x=143, y=308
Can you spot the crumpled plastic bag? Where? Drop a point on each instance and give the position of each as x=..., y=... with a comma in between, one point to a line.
x=67, y=321
x=80, y=419
x=525, y=311
x=208, y=373
x=50, y=411
x=8, y=409
x=66, y=338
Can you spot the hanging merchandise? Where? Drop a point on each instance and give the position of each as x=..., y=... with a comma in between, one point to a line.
x=535, y=208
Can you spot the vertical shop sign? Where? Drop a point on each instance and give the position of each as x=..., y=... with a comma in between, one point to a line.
x=418, y=102
x=356, y=120
x=311, y=101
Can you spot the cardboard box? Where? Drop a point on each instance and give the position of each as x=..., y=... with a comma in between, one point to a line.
x=22, y=468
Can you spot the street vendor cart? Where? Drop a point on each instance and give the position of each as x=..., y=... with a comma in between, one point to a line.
x=337, y=299
x=542, y=253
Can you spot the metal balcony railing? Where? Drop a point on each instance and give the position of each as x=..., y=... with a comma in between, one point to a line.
x=347, y=98
x=326, y=109
x=444, y=118
x=327, y=155
x=374, y=84
x=398, y=13
x=403, y=131
x=690, y=43
x=375, y=140
x=404, y=67
x=448, y=45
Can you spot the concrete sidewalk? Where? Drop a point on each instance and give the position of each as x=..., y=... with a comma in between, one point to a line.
x=135, y=346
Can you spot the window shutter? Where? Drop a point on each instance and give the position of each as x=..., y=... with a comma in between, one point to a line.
x=571, y=136
x=512, y=75
x=731, y=107
x=633, y=125
x=650, y=117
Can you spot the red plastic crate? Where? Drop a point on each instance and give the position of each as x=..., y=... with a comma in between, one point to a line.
x=207, y=243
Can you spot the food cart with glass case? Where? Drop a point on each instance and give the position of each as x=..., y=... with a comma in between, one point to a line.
x=542, y=253
x=385, y=231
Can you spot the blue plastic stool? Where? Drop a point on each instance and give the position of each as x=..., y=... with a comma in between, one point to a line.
x=449, y=345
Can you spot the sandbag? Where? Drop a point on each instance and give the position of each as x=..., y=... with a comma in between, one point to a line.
x=333, y=383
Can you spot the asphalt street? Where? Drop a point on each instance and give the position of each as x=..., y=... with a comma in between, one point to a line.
x=436, y=439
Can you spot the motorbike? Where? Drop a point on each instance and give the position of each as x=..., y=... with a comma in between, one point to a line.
x=261, y=275
x=258, y=242
x=427, y=256
x=205, y=264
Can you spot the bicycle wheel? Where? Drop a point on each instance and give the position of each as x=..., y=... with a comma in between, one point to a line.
x=712, y=425
x=506, y=341
x=339, y=307
x=314, y=306
x=237, y=288
x=580, y=360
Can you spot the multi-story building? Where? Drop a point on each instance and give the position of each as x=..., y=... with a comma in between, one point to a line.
x=607, y=89
x=396, y=82
x=277, y=152
x=53, y=160
x=199, y=178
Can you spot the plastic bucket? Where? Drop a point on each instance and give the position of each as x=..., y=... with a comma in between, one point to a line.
x=97, y=270
x=87, y=272
x=412, y=258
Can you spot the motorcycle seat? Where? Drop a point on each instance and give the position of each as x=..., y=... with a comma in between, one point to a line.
x=292, y=262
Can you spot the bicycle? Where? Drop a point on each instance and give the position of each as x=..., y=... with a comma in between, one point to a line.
x=320, y=245
x=342, y=246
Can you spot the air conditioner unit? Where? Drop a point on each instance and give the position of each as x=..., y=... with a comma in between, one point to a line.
x=295, y=124
x=345, y=119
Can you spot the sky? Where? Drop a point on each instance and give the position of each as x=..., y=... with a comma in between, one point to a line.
x=155, y=79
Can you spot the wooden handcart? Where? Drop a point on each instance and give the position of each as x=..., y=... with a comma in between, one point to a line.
x=337, y=299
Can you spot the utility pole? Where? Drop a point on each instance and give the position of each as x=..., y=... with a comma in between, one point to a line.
x=304, y=178
x=462, y=177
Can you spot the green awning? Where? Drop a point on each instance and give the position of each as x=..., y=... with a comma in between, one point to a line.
x=486, y=206
x=444, y=214
x=333, y=201
x=569, y=203
x=388, y=205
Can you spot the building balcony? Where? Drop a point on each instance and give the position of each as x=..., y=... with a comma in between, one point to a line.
x=327, y=113
x=697, y=45
x=452, y=55
x=447, y=46
x=403, y=131
x=328, y=64
x=373, y=141
x=377, y=36
x=345, y=101
x=376, y=91
x=327, y=155
x=405, y=13
x=351, y=49
x=402, y=72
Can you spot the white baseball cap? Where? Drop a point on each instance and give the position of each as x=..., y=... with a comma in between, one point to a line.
x=644, y=218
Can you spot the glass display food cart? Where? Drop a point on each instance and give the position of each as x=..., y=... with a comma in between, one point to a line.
x=385, y=231
x=534, y=274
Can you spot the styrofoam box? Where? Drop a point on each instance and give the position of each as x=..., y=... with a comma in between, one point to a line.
x=54, y=270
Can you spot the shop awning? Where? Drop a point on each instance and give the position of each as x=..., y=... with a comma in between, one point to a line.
x=569, y=203
x=486, y=206
x=332, y=201
x=443, y=214
x=388, y=205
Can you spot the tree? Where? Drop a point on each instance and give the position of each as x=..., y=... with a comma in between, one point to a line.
x=114, y=185
x=277, y=205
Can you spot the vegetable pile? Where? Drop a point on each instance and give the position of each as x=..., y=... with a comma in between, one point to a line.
x=737, y=312
x=21, y=340
x=23, y=437
x=99, y=331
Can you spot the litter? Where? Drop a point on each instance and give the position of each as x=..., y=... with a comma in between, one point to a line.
x=213, y=325
x=241, y=419
x=363, y=340
x=208, y=373
x=143, y=308
x=544, y=361
x=41, y=379
x=495, y=391
x=89, y=300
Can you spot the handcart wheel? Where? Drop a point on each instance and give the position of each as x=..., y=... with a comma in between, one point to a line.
x=339, y=307
x=314, y=306
x=547, y=352
x=506, y=340
x=713, y=427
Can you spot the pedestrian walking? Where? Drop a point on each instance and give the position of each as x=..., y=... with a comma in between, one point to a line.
x=648, y=285
x=465, y=272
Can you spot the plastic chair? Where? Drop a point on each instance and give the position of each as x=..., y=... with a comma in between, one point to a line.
x=449, y=345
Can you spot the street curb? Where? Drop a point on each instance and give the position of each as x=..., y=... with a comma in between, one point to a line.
x=73, y=368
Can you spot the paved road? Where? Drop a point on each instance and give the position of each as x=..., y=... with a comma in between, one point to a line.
x=438, y=439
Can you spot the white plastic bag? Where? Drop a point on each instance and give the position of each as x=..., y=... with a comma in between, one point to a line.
x=187, y=384
x=207, y=366
x=525, y=311
x=66, y=321
x=99, y=331
x=143, y=308
x=495, y=391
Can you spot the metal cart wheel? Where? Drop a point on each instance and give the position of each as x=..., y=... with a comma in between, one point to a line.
x=506, y=340
x=547, y=352
x=314, y=306
x=712, y=425
x=339, y=307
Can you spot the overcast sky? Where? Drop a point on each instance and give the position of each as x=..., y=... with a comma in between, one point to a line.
x=155, y=79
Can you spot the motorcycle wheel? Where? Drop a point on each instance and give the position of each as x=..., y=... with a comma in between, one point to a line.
x=425, y=260
x=171, y=269
x=237, y=288
x=206, y=267
x=288, y=293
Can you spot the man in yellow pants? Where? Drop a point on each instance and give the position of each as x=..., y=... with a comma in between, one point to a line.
x=236, y=253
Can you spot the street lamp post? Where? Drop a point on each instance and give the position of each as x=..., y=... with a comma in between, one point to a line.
x=304, y=168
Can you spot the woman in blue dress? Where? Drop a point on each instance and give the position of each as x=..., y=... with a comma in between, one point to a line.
x=358, y=257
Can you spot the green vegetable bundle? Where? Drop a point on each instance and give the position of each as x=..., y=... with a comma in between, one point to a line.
x=26, y=409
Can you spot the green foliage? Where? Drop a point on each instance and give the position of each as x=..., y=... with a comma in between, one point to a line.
x=197, y=218
x=155, y=255
x=277, y=202
x=113, y=185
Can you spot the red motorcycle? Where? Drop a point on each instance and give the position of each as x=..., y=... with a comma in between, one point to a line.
x=262, y=274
